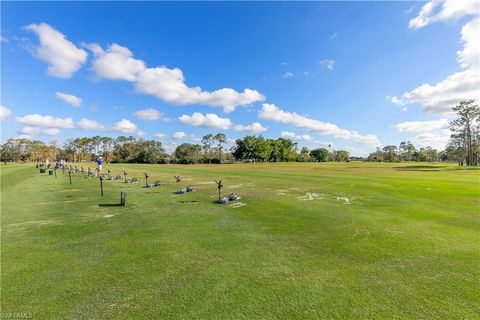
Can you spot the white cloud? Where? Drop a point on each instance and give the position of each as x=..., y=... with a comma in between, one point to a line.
x=293, y=136
x=69, y=98
x=87, y=124
x=4, y=112
x=451, y=9
x=160, y=135
x=395, y=101
x=169, y=85
x=29, y=132
x=288, y=75
x=63, y=57
x=421, y=126
x=37, y=120
x=51, y=131
x=439, y=98
x=148, y=114
x=334, y=36
x=442, y=96
x=327, y=64
x=116, y=62
x=272, y=112
x=435, y=139
x=469, y=57
x=165, y=84
x=210, y=120
x=254, y=127
x=140, y=133
x=126, y=126
x=179, y=135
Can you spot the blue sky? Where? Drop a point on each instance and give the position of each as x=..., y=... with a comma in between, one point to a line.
x=354, y=74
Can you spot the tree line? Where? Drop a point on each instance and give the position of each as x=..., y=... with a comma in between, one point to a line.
x=463, y=147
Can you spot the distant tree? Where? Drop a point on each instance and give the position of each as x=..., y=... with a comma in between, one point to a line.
x=320, y=155
x=304, y=154
x=466, y=127
x=341, y=156
x=220, y=138
x=138, y=151
x=186, y=153
x=207, y=142
x=107, y=147
x=390, y=153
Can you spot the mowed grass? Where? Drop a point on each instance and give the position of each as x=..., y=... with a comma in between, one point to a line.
x=312, y=241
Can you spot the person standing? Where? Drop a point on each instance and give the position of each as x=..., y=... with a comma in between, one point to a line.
x=99, y=165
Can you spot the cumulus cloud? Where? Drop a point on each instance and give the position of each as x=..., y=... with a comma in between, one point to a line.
x=439, y=98
x=395, y=101
x=421, y=126
x=210, y=120
x=160, y=135
x=274, y=113
x=168, y=85
x=4, y=112
x=327, y=64
x=29, y=132
x=69, y=98
x=62, y=56
x=254, y=127
x=436, y=139
x=179, y=135
x=288, y=75
x=87, y=124
x=293, y=136
x=51, y=131
x=116, y=62
x=126, y=126
x=37, y=120
x=450, y=9
x=148, y=114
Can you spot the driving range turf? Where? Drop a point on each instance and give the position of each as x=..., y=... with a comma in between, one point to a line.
x=306, y=240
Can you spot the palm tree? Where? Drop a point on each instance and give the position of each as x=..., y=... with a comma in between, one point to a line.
x=221, y=139
x=178, y=180
x=219, y=186
x=207, y=145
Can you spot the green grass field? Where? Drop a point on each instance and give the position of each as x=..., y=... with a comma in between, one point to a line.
x=311, y=241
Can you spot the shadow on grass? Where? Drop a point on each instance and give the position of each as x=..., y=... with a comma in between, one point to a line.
x=110, y=205
x=419, y=168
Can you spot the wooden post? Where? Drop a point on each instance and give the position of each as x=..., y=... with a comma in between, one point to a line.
x=123, y=198
x=125, y=175
x=70, y=176
x=55, y=171
x=101, y=186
